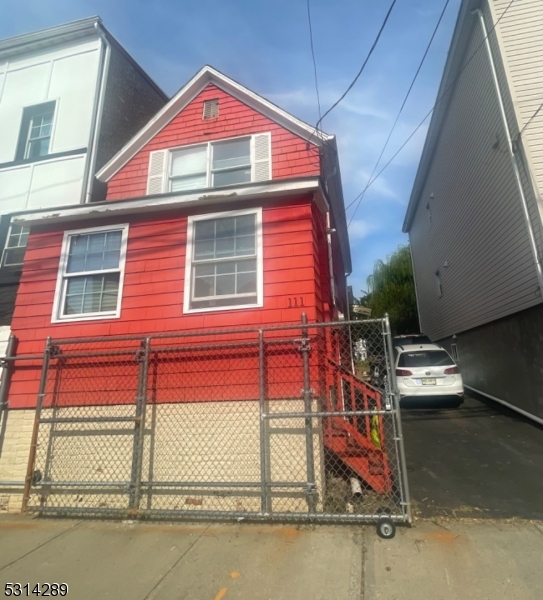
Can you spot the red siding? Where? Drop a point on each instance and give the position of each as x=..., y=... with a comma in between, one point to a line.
x=154, y=281
x=292, y=156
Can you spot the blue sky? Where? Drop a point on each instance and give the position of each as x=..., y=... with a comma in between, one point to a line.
x=265, y=46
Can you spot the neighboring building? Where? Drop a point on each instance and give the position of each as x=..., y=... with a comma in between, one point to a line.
x=70, y=98
x=224, y=212
x=475, y=214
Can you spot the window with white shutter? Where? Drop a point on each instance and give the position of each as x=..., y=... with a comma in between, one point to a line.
x=214, y=164
x=155, y=180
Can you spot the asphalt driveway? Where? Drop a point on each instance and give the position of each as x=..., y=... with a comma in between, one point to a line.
x=481, y=460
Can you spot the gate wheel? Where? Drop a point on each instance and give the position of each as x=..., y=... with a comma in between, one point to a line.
x=386, y=528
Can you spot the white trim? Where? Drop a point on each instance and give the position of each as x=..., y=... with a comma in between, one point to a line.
x=209, y=159
x=187, y=288
x=186, y=94
x=61, y=275
x=231, y=194
x=511, y=406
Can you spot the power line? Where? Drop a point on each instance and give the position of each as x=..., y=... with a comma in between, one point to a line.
x=431, y=110
x=314, y=61
x=359, y=72
x=361, y=195
x=530, y=119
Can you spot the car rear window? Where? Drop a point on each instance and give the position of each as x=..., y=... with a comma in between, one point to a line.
x=425, y=358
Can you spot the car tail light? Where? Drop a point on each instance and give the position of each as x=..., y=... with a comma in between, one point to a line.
x=403, y=373
x=452, y=371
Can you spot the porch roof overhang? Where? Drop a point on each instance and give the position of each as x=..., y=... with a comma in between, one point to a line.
x=216, y=197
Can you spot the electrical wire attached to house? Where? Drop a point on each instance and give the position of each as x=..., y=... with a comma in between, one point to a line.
x=353, y=82
x=423, y=59
x=314, y=61
x=351, y=85
x=437, y=102
x=530, y=120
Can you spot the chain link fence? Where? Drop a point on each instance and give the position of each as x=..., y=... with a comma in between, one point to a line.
x=296, y=422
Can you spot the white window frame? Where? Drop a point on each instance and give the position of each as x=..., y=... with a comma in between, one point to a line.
x=60, y=290
x=188, y=287
x=209, y=158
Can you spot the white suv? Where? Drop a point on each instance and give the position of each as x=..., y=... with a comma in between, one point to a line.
x=427, y=372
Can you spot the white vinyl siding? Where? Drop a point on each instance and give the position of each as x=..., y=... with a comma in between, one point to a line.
x=478, y=227
x=521, y=36
x=224, y=261
x=213, y=164
x=91, y=272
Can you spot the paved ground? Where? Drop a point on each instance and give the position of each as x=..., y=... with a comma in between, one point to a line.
x=160, y=561
x=481, y=460
x=136, y=561
x=455, y=560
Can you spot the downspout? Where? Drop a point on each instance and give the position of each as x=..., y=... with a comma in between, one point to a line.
x=415, y=283
x=330, y=258
x=511, y=150
x=99, y=97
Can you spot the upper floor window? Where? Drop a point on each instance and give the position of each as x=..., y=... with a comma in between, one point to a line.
x=214, y=164
x=35, y=133
x=14, y=251
x=211, y=165
x=91, y=274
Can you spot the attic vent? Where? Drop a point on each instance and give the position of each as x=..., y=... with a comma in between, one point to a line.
x=211, y=109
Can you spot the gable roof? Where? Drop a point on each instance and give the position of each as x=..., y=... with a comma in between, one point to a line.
x=186, y=94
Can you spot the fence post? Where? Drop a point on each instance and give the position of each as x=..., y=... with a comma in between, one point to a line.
x=393, y=387
x=7, y=369
x=35, y=430
x=139, y=428
x=264, y=496
x=305, y=348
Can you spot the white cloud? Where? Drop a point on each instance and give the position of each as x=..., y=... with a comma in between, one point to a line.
x=360, y=229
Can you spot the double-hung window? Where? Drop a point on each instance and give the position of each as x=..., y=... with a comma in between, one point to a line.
x=211, y=165
x=14, y=251
x=234, y=161
x=91, y=274
x=224, y=261
x=36, y=129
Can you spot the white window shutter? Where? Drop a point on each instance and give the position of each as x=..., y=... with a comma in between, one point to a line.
x=261, y=159
x=156, y=178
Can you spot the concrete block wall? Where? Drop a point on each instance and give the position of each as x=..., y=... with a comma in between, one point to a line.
x=15, y=435
x=184, y=442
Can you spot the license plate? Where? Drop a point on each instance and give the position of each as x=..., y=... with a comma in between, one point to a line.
x=429, y=381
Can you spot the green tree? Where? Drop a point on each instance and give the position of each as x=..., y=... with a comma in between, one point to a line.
x=391, y=289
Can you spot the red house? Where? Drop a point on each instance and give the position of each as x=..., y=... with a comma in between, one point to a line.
x=223, y=214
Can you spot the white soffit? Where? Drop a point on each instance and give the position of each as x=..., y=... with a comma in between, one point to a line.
x=186, y=94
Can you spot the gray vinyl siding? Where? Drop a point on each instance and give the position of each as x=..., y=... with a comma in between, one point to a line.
x=131, y=100
x=521, y=36
x=477, y=222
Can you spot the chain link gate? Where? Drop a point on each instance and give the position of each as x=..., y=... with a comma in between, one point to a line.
x=292, y=422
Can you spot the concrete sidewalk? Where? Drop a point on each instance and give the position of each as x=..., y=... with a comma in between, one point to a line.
x=432, y=561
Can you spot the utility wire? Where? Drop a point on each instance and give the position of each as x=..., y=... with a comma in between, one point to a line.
x=359, y=72
x=361, y=195
x=431, y=110
x=530, y=120
x=314, y=61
